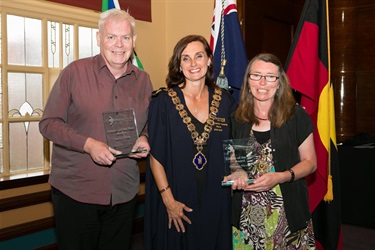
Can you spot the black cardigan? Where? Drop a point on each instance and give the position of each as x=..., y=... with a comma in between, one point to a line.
x=285, y=141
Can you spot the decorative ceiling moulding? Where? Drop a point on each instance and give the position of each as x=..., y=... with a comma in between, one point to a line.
x=139, y=9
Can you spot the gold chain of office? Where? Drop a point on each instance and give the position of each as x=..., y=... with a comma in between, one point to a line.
x=199, y=159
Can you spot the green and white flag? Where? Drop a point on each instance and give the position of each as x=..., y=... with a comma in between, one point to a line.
x=136, y=61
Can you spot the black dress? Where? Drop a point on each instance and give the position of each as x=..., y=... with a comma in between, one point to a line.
x=201, y=190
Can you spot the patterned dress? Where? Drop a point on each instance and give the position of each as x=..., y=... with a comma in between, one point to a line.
x=263, y=223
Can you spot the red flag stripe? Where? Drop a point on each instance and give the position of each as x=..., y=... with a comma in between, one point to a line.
x=230, y=8
x=306, y=72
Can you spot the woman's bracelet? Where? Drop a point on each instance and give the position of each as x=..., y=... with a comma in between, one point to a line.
x=163, y=189
x=292, y=175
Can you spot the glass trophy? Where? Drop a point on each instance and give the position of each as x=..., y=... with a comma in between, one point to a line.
x=238, y=160
x=121, y=131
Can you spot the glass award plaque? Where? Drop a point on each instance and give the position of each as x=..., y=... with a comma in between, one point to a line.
x=238, y=160
x=121, y=130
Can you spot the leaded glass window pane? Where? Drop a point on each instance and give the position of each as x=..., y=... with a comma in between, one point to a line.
x=87, y=42
x=68, y=44
x=26, y=146
x=53, y=44
x=25, y=87
x=24, y=41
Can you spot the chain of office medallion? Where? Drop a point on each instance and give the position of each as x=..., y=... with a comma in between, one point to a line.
x=198, y=140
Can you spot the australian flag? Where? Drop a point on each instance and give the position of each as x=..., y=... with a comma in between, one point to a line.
x=234, y=47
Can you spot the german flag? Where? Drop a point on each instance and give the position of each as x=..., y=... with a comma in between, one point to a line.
x=308, y=68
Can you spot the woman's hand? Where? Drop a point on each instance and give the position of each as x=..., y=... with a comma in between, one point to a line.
x=260, y=184
x=239, y=178
x=175, y=211
x=265, y=182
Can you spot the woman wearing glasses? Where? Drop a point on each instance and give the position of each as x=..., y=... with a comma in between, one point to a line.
x=273, y=212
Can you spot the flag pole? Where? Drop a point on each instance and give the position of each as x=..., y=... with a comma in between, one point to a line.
x=328, y=197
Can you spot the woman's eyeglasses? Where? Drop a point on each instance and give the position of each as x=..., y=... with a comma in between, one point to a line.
x=268, y=78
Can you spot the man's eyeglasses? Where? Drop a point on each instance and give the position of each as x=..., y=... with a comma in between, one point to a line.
x=257, y=77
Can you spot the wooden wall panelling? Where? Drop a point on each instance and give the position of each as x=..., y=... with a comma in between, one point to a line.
x=353, y=66
x=269, y=25
x=343, y=21
x=365, y=96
